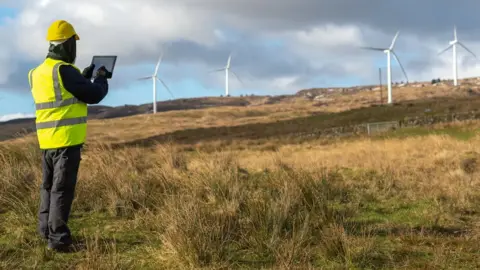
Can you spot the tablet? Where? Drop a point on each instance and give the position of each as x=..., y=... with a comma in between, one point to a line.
x=104, y=60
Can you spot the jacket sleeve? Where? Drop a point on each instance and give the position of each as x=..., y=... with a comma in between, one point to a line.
x=82, y=88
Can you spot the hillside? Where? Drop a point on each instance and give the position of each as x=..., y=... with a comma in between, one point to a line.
x=317, y=100
x=19, y=127
x=239, y=116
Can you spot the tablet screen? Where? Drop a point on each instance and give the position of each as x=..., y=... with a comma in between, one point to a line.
x=107, y=61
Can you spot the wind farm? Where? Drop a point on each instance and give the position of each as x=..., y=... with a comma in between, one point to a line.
x=390, y=53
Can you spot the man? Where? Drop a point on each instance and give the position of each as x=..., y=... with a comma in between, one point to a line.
x=61, y=93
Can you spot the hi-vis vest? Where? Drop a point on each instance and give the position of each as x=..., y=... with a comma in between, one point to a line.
x=61, y=118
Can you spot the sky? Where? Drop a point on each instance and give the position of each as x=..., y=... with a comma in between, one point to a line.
x=279, y=46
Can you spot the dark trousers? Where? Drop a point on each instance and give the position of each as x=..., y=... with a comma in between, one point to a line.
x=60, y=169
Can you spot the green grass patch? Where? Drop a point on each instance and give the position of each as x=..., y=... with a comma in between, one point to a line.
x=396, y=211
x=104, y=241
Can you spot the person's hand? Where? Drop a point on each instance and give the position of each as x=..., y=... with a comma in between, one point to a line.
x=102, y=72
x=88, y=71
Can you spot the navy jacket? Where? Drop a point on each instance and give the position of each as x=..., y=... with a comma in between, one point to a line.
x=81, y=88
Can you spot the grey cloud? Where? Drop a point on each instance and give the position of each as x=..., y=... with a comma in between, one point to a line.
x=18, y=80
x=467, y=61
x=249, y=60
x=255, y=20
x=421, y=64
x=388, y=15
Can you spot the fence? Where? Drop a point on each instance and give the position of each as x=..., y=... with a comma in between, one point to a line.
x=373, y=128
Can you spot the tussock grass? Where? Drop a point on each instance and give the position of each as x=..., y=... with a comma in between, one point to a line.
x=396, y=202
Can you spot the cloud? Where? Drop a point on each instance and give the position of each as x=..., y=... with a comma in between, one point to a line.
x=280, y=45
x=8, y=117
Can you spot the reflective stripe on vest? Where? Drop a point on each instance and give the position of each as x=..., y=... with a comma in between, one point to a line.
x=58, y=93
x=56, y=82
x=62, y=123
x=30, y=78
x=57, y=104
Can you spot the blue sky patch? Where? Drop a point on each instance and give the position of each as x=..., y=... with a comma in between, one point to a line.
x=7, y=13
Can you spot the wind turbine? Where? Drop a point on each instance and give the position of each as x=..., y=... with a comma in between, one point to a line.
x=389, y=51
x=154, y=78
x=453, y=45
x=227, y=70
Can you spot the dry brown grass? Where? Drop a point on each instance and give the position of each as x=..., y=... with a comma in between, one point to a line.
x=143, y=126
x=409, y=202
x=396, y=203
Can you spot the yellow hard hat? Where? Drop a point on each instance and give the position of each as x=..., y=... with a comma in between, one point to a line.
x=60, y=30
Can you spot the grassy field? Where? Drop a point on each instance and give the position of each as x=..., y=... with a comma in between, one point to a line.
x=213, y=200
x=228, y=187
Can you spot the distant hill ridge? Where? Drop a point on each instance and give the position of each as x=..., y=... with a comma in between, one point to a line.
x=318, y=97
x=12, y=128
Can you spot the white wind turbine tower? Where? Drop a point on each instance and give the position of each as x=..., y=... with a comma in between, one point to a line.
x=227, y=70
x=389, y=51
x=154, y=78
x=453, y=45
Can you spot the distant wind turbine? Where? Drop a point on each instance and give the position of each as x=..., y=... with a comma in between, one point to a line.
x=389, y=51
x=453, y=45
x=154, y=78
x=227, y=70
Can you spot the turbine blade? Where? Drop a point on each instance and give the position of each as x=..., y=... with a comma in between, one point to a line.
x=238, y=78
x=398, y=60
x=372, y=48
x=461, y=44
x=165, y=85
x=158, y=64
x=445, y=49
x=217, y=70
x=394, y=40
x=229, y=60
x=145, y=78
x=455, y=32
